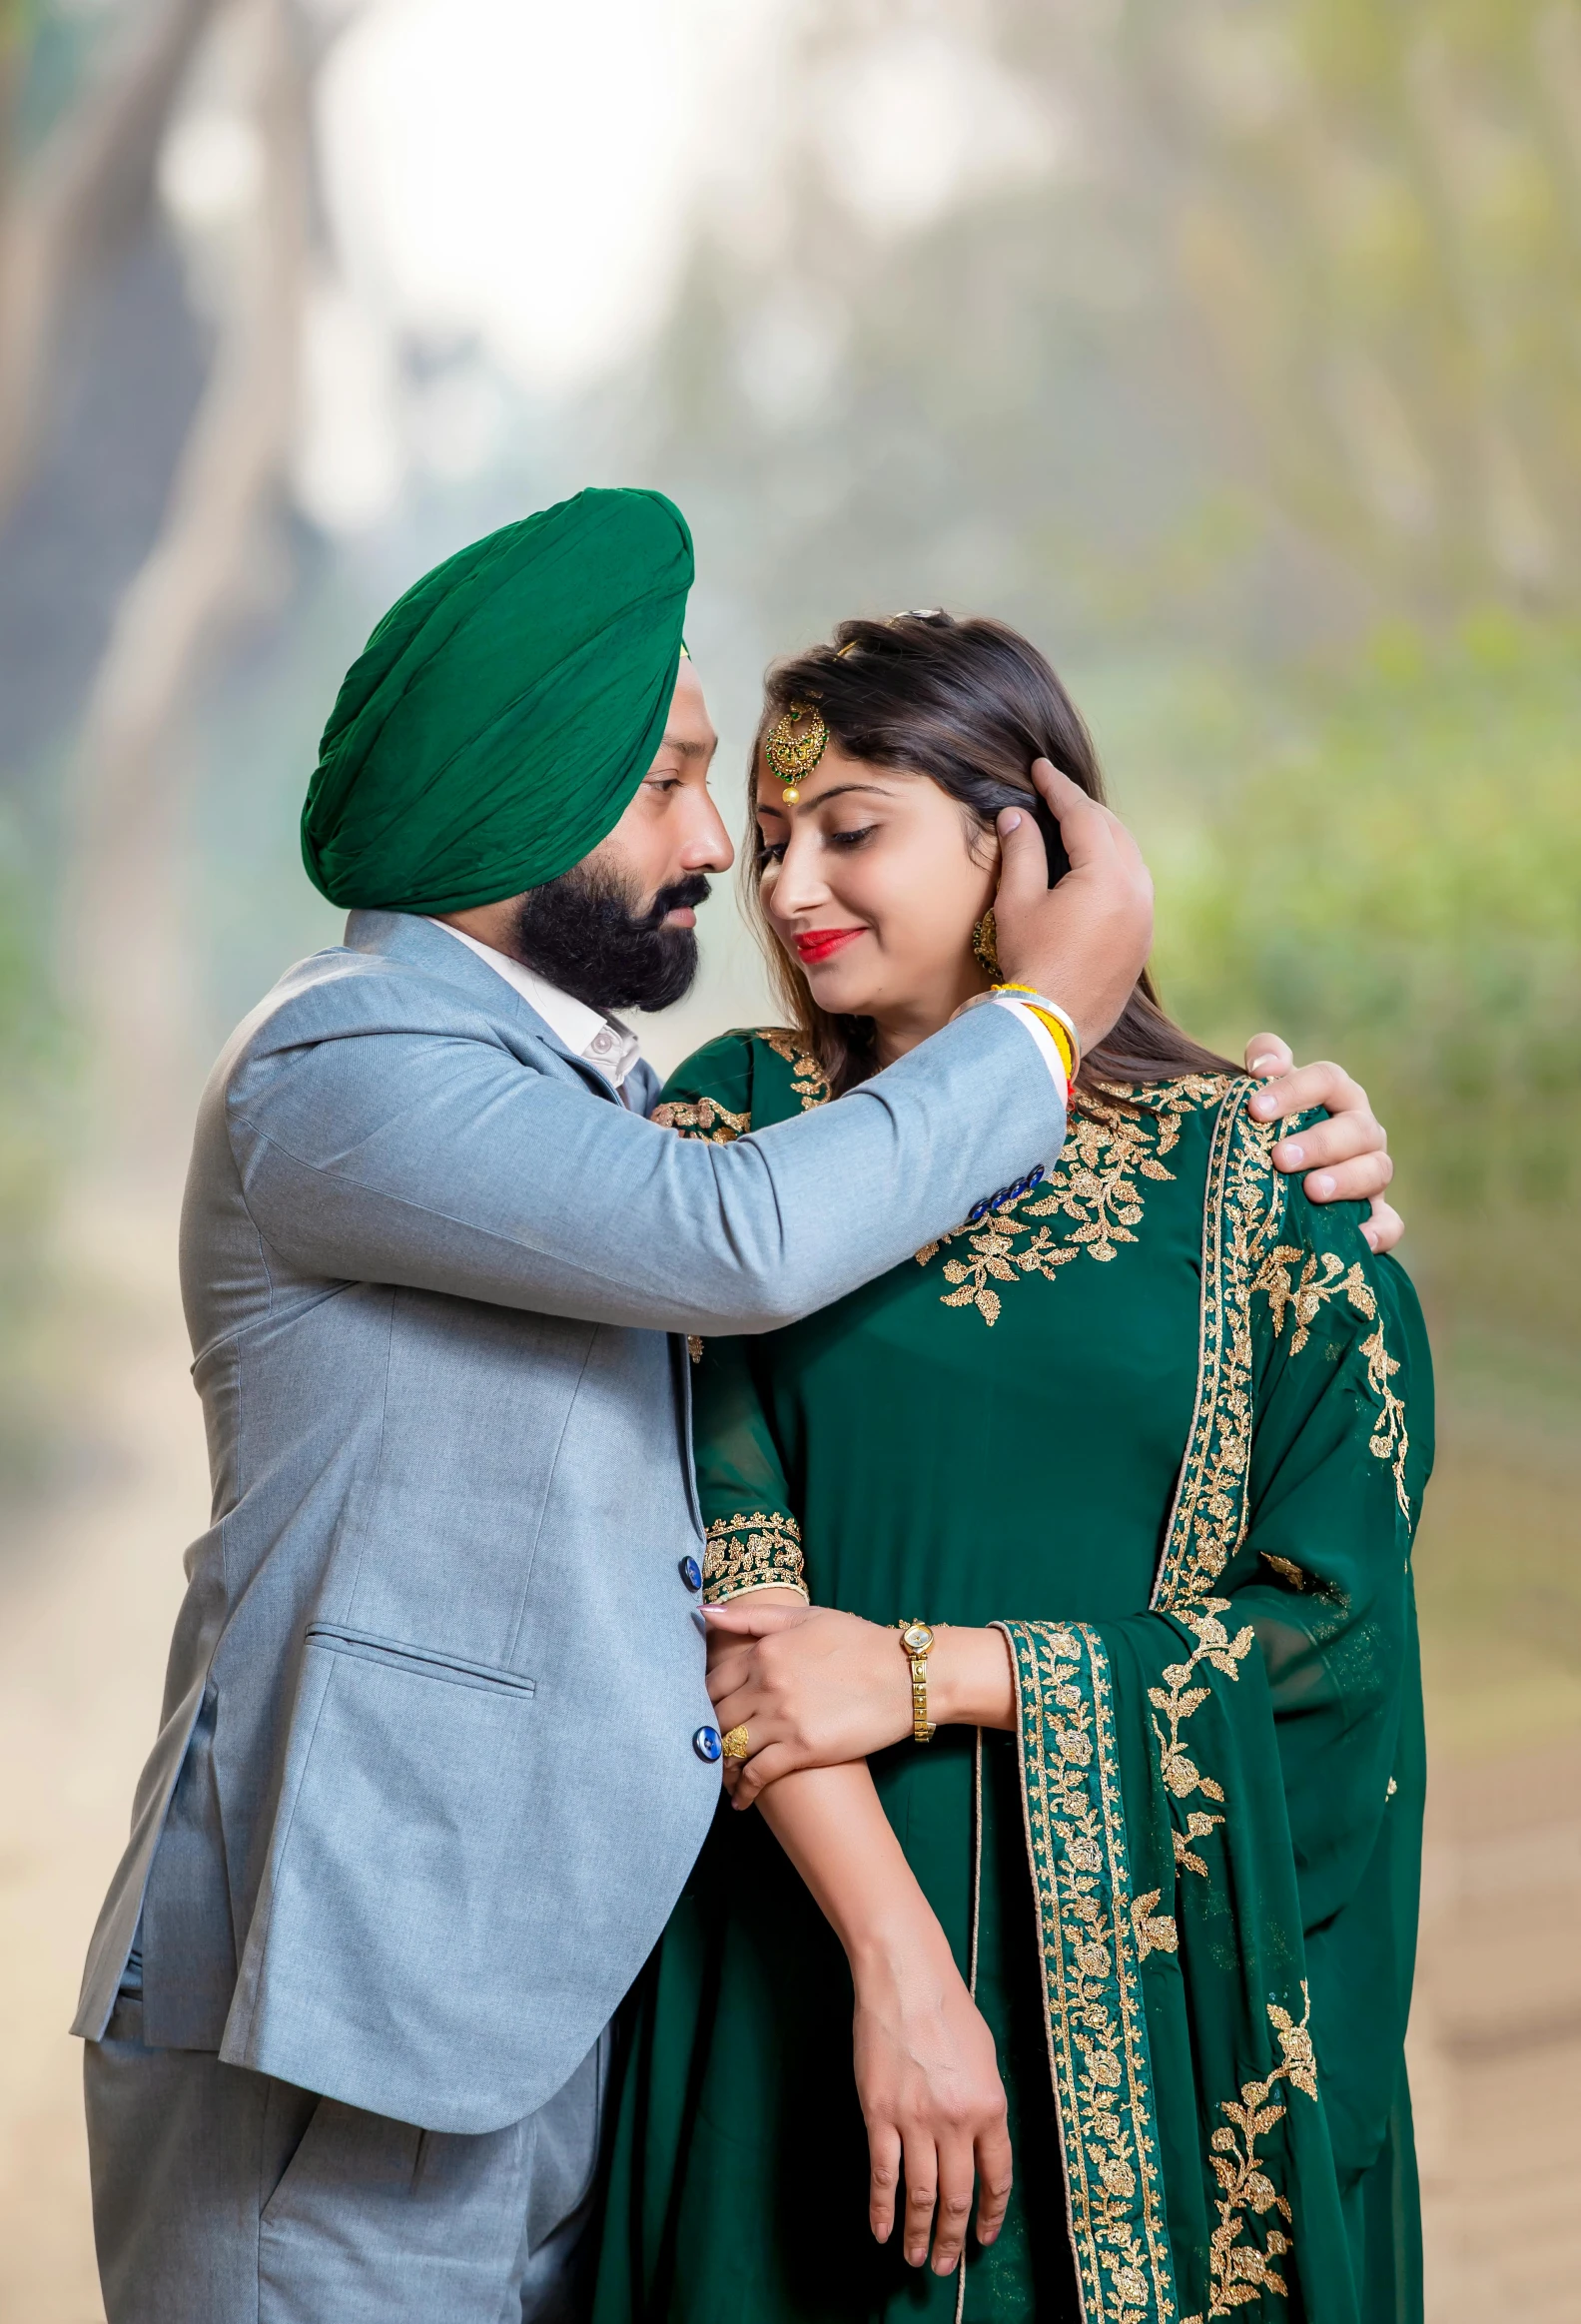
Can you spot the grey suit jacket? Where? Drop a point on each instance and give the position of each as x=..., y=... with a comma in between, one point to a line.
x=426, y=1788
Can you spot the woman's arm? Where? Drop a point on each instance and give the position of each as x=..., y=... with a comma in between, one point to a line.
x=926, y=2072
x=839, y=1687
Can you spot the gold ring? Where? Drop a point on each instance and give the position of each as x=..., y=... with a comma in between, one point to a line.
x=734, y=1745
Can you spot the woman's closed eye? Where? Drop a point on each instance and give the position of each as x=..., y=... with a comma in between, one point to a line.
x=847, y=840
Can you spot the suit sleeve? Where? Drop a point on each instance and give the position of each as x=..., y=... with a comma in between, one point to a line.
x=439, y=1159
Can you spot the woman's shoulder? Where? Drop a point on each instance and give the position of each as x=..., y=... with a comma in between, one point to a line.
x=747, y=1077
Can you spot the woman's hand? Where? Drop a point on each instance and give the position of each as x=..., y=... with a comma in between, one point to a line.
x=932, y=2099
x=1346, y=1159
x=813, y=1688
x=816, y=1688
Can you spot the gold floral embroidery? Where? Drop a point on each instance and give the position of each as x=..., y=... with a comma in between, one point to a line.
x=1156, y=1931
x=1286, y=1568
x=1242, y=1209
x=708, y=1118
x=1094, y=1192
x=694, y=1348
x=1302, y=1302
x=1304, y=1299
x=1240, y=2268
x=1092, y=1937
x=1177, y=1698
x=1390, y=1442
x=809, y=1082
x=995, y=1256
x=756, y=1552
x=1108, y=1147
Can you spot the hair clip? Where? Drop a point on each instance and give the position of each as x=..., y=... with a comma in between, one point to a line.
x=793, y=750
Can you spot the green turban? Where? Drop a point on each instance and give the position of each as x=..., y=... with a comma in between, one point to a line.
x=502, y=715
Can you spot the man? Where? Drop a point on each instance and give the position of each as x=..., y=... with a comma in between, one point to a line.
x=437, y=1751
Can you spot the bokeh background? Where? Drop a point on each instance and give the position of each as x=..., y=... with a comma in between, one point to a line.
x=1232, y=349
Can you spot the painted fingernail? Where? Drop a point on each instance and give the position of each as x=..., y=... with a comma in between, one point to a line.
x=1010, y=820
x=1262, y=1065
x=1290, y=1157
x=1321, y=1184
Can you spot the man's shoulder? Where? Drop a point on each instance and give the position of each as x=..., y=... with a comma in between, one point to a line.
x=362, y=999
x=740, y=1081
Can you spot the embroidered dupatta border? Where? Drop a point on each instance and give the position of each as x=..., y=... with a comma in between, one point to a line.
x=1241, y=1214
x=1093, y=2006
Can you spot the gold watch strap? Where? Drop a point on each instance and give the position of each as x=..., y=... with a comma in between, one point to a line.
x=922, y=1727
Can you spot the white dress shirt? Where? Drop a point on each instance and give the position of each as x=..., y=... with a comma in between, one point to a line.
x=603, y=1041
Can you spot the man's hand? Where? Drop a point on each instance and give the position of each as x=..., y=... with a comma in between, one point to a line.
x=812, y=1687
x=1346, y=1159
x=1083, y=943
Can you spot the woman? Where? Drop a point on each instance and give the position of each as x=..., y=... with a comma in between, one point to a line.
x=1144, y=1442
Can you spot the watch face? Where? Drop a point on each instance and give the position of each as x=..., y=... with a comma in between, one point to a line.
x=916, y=1638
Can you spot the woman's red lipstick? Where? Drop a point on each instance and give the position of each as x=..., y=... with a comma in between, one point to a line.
x=821, y=944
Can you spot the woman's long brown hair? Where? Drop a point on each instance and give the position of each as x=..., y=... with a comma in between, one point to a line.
x=970, y=704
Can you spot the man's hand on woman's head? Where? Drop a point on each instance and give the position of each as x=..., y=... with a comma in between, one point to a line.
x=1346, y=1158
x=1085, y=941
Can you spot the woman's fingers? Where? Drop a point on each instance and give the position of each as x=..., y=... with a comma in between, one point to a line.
x=956, y=2177
x=995, y=2175
x=883, y=2147
x=755, y=1621
x=921, y=2158
x=762, y=1769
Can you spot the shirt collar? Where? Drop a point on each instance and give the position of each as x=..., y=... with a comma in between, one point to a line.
x=606, y=1044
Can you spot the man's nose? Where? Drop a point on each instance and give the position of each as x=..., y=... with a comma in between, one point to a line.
x=708, y=847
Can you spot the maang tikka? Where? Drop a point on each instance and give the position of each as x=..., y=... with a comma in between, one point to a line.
x=793, y=749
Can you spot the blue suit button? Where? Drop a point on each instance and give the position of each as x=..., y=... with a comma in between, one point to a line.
x=691, y=1573
x=707, y=1742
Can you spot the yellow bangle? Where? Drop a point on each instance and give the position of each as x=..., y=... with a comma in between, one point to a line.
x=1054, y=1022
x=1060, y=1038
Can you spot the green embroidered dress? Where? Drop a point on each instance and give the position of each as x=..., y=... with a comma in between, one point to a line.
x=1169, y=1425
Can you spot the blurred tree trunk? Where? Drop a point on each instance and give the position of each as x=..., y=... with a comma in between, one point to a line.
x=126, y=916
x=64, y=220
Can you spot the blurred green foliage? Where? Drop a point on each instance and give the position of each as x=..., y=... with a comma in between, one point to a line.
x=1397, y=879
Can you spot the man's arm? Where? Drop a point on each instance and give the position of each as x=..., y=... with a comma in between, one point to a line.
x=389, y=1154
x=439, y=1161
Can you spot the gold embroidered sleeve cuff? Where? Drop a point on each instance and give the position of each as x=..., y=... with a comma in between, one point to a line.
x=756, y=1552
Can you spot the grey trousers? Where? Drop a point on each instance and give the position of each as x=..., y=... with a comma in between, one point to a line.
x=224, y=2197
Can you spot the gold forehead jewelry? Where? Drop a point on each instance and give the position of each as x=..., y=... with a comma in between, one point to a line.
x=793, y=750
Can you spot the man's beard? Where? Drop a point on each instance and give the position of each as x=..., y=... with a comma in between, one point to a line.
x=586, y=933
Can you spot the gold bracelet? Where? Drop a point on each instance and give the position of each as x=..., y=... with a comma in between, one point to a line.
x=915, y=1640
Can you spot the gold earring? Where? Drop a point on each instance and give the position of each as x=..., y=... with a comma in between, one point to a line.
x=793, y=750
x=985, y=944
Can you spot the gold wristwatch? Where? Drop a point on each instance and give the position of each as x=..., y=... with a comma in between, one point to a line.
x=915, y=1640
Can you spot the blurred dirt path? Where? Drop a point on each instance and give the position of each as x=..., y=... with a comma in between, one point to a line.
x=1496, y=2040
x=87, y=1590
x=89, y=1586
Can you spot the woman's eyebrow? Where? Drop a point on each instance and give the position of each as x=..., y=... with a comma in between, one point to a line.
x=878, y=791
